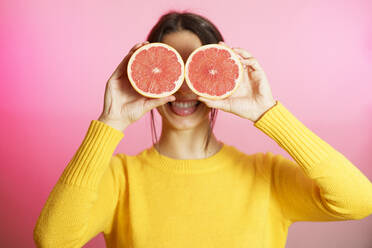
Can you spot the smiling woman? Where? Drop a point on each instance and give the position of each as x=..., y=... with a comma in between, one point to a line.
x=185, y=113
x=186, y=32
x=185, y=192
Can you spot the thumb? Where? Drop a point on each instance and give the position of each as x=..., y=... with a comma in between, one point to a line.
x=223, y=104
x=153, y=103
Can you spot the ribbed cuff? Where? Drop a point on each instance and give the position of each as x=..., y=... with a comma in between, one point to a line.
x=91, y=159
x=305, y=147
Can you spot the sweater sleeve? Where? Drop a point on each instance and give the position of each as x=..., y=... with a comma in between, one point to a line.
x=323, y=185
x=82, y=202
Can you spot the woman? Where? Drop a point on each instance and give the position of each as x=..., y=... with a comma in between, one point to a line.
x=189, y=189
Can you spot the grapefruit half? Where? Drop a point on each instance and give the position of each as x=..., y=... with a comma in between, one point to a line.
x=156, y=70
x=213, y=71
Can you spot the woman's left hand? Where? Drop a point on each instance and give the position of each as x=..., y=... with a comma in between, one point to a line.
x=253, y=96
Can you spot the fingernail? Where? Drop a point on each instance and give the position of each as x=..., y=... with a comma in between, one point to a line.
x=146, y=42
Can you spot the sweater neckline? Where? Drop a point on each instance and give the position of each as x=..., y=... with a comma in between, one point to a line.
x=189, y=166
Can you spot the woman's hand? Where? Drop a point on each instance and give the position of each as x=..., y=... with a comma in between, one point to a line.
x=122, y=104
x=253, y=96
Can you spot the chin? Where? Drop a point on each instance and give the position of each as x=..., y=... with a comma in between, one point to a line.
x=194, y=120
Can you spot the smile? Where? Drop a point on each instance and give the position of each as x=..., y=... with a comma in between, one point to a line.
x=183, y=108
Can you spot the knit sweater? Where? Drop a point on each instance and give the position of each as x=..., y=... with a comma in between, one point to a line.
x=230, y=199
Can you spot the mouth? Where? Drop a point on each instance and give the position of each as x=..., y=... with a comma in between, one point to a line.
x=184, y=108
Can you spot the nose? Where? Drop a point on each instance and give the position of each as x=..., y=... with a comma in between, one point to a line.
x=184, y=92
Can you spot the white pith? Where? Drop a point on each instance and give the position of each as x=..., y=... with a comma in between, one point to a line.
x=156, y=70
x=178, y=82
x=233, y=57
x=213, y=71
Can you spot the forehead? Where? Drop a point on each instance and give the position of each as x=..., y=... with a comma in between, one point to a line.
x=185, y=42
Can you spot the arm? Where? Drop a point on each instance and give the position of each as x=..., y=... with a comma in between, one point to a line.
x=83, y=201
x=323, y=185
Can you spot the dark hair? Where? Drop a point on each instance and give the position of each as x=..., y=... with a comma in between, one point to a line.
x=174, y=21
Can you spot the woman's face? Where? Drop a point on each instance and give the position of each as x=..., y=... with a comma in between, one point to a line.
x=186, y=112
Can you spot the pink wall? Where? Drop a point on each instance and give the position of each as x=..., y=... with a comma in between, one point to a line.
x=57, y=55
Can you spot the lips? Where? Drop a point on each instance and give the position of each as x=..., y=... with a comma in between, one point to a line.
x=184, y=108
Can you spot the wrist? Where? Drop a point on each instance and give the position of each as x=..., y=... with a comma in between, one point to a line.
x=119, y=125
x=265, y=110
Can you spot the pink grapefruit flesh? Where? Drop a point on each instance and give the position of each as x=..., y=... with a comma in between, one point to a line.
x=213, y=71
x=156, y=70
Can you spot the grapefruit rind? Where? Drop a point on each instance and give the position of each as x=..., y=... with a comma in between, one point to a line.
x=178, y=82
x=234, y=57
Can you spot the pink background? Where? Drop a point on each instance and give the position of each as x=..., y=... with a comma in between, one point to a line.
x=56, y=57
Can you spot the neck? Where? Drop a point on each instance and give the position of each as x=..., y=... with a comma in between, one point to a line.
x=187, y=144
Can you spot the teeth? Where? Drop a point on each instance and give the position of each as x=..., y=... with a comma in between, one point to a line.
x=184, y=104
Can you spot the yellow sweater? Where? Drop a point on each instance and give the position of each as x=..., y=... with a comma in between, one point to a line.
x=230, y=199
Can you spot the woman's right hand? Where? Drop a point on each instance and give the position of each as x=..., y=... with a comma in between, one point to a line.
x=122, y=104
